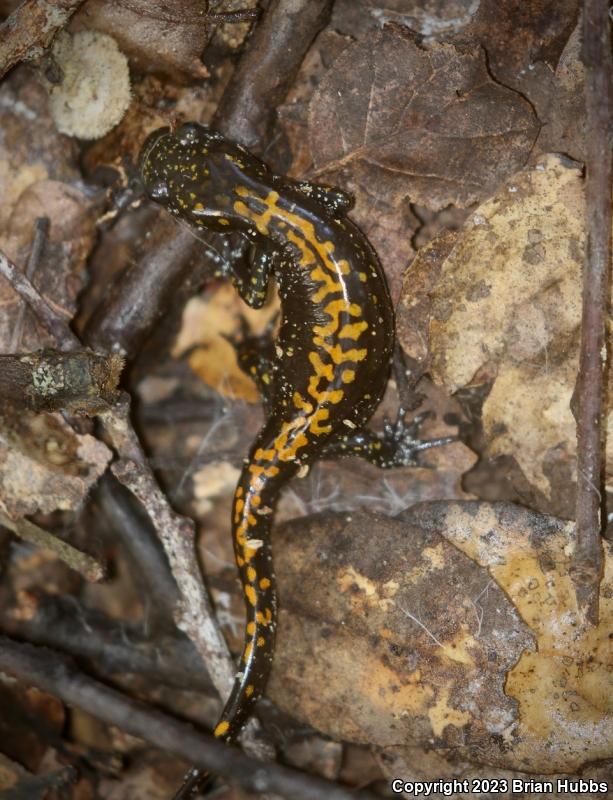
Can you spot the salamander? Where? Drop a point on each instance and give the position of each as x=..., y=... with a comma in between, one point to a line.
x=332, y=354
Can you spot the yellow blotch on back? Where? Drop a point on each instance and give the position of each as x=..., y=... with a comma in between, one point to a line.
x=221, y=728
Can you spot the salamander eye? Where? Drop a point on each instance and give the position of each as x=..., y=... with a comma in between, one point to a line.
x=188, y=133
x=159, y=190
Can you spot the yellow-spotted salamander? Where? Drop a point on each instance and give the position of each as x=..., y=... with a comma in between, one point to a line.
x=331, y=357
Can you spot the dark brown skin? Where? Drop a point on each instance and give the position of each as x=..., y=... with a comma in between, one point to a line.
x=333, y=351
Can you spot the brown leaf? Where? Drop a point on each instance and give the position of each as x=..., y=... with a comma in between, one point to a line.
x=425, y=123
x=31, y=149
x=520, y=36
x=415, y=306
x=524, y=41
x=455, y=625
x=390, y=230
x=564, y=686
x=389, y=635
x=564, y=117
x=164, y=37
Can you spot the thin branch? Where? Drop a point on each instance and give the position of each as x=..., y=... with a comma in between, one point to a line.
x=50, y=380
x=47, y=671
x=195, y=615
x=587, y=562
x=267, y=68
x=232, y=16
x=110, y=647
x=89, y=567
x=142, y=547
x=30, y=29
x=136, y=301
x=46, y=314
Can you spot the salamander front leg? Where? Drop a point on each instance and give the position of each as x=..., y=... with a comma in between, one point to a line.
x=397, y=446
x=251, y=274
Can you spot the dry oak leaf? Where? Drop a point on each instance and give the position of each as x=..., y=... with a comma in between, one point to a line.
x=506, y=307
x=454, y=626
x=429, y=124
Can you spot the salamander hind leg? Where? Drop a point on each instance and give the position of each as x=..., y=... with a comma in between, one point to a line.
x=397, y=446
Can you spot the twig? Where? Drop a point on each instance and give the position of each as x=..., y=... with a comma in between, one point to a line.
x=55, y=324
x=150, y=565
x=49, y=380
x=41, y=232
x=194, y=615
x=135, y=302
x=596, y=53
x=232, y=16
x=30, y=29
x=44, y=669
x=110, y=647
x=268, y=67
x=91, y=569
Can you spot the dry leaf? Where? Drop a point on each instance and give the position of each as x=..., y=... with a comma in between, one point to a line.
x=164, y=37
x=520, y=38
x=455, y=627
x=31, y=149
x=564, y=117
x=59, y=274
x=429, y=124
x=506, y=308
x=389, y=635
x=564, y=686
x=46, y=466
x=415, y=306
x=207, y=321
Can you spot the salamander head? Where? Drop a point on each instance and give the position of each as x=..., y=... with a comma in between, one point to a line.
x=194, y=173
